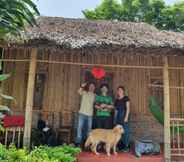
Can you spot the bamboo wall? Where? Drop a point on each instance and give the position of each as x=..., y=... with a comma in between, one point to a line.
x=62, y=82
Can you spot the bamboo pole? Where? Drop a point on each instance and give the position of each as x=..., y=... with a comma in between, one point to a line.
x=167, y=145
x=94, y=64
x=19, y=135
x=161, y=86
x=14, y=133
x=29, y=99
x=99, y=64
x=6, y=137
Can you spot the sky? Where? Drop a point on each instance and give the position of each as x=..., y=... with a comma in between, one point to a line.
x=69, y=8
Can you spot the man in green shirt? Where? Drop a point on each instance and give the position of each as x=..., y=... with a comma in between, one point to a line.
x=104, y=107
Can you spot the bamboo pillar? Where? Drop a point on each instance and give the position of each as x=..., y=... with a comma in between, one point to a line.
x=29, y=99
x=167, y=144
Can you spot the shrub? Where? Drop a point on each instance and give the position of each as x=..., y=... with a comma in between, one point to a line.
x=40, y=154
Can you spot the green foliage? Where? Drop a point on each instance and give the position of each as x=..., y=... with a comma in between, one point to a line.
x=159, y=114
x=156, y=110
x=61, y=154
x=154, y=12
x=1, y=128
x=109, y=9
x=173, y=17
x=39, y=154
x=4, y=77
x=15, y=14
x=3, y=152
x=14, y=154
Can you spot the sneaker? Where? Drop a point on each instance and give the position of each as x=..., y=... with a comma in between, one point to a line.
x=77, y=144
x=126, y=149
x=137, y=154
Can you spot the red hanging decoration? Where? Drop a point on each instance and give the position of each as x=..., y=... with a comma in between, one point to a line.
x=98, y=73
x=13, y=121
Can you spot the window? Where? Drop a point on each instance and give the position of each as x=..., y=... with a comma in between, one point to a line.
x=39, y=90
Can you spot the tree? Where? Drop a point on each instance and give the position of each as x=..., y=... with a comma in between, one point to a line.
x=15, y=14
x=154, y=12
x=109, y=9
x=173, y=17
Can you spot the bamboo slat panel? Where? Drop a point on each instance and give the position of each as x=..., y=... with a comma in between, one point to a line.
x=16, y=85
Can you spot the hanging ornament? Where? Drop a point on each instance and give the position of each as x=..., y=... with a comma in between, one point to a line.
x=98, y=73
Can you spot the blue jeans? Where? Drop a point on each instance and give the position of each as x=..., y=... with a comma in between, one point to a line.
x=124, y=141
x=125, y=137
x=84, y=127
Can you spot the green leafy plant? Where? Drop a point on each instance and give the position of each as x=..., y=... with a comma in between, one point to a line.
x=14, y=154
x=62, y=154
x=15, y=14
x=159, y=114
x=4, y=77
x=39, y=154
x=1, y=128
x=3, y=152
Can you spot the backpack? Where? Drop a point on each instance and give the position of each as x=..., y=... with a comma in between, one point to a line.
x=146, y=147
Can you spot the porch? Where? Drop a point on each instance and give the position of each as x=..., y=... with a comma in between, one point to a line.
x=146, y=83
x=121, y=157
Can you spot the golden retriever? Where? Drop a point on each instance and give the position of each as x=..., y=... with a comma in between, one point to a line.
x=110, y=137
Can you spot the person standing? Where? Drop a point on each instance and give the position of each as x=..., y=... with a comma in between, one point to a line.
x=104, y=107
x=87, y=92
x=122, y=108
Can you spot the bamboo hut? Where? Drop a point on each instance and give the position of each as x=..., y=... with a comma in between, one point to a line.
x=51, y=60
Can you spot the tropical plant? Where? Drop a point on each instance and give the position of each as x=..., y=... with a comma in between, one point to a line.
x=4, y=108
x=40, y=154
x=15, y=14
x=159, y=114
x=4, y=77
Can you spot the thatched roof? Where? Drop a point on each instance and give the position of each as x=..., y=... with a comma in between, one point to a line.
x=79, y=33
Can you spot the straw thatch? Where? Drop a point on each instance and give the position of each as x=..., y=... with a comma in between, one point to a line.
x=79, y=33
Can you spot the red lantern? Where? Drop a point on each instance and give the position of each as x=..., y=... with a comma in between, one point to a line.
x=98, y=73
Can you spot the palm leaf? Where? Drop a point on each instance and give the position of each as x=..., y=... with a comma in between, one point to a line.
x=156, y=110
x=15, y=15
x=32, y=5
x=1, y=128
x=7, y=97
x=4, y=108
x=4, y=77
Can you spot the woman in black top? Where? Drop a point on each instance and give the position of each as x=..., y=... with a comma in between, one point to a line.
x=122, y=107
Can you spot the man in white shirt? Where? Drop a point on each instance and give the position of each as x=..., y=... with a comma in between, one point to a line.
x=86, y=110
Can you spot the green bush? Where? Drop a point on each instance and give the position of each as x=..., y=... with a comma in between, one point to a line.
x=40, y=154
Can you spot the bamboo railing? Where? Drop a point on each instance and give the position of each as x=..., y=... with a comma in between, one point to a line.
x=177, y=138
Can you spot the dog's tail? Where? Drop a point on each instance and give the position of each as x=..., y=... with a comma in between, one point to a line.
x=88, y=142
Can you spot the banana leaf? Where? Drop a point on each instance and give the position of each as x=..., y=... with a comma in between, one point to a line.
x=4, y=77
x=1, y=128
x=159, y=114
x=7, y=97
